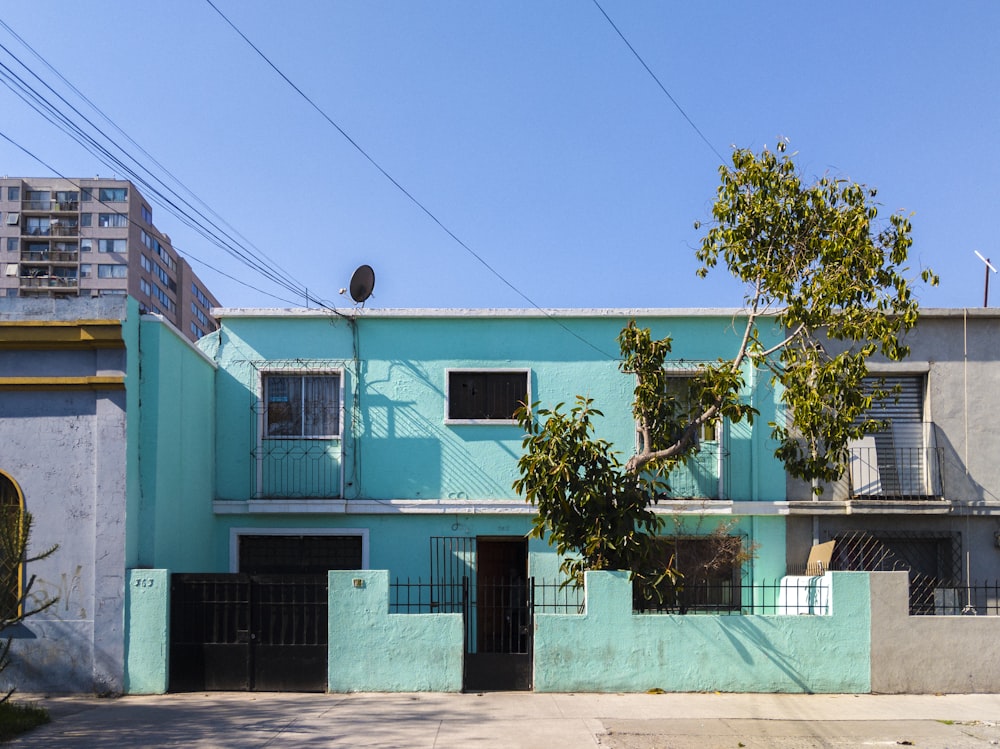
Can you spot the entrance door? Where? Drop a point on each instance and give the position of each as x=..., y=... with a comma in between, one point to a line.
x=498, y=642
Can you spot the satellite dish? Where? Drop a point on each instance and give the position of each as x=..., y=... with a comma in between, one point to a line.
x=362, y=283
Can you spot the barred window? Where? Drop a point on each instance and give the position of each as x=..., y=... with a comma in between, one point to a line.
x=301, y=405
x=486, y=395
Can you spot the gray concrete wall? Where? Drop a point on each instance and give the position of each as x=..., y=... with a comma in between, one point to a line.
x=66, y=449
x=957, y=350
x=929, y=654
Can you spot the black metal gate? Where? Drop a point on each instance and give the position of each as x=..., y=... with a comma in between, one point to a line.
x=498, y=635
x=490, y=573
x=248, y=632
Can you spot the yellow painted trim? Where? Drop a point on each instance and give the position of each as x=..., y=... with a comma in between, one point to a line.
x=98, y=382
x=34, y=334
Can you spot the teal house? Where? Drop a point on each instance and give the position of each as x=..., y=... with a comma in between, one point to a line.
x=322, y=500
x=381, y=440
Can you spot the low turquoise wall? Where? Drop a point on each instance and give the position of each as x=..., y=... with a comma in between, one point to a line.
x=147, y=631
x=609, y=648
x=372, y=650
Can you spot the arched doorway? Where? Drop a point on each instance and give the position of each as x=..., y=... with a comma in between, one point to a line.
x=12, y=547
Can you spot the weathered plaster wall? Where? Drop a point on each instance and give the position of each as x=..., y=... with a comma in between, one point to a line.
x=66, y=449
x=372, y=650
x=610, y=649
x=929, y=654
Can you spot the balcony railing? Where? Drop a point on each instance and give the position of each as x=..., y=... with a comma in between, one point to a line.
x=900, y=463
x=699, y=477
x=57, y=282
x=49, y=256
x=37, y=205
x=65, y=231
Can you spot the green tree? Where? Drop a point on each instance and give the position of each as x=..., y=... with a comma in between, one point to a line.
x=17, y=601
x=818, y=265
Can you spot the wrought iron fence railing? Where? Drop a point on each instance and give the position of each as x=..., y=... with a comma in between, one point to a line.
x=878, y=472
x=808, y=595
x=779, y=597
x=974, y=599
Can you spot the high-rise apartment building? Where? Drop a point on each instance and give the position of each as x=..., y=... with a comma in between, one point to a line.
x=95, y=237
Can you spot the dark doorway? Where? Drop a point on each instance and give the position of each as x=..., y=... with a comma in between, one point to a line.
x=499, y=644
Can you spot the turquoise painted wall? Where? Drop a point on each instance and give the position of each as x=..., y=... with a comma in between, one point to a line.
x=610, y=649
x=375, y=651
x=147, y=631
x=133, y=431
x=396, y=443
x=176, y=458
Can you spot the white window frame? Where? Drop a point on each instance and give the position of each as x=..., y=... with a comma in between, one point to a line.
x=448, y=372
x=335, y=372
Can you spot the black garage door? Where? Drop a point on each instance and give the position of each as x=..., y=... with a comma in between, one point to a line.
x=264, y=628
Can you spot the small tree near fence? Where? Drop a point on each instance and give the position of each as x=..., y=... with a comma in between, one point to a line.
x=818, y=265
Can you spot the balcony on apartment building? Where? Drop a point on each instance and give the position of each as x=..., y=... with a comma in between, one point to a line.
x=900, y=462
x=49, y=282
x=58, y=254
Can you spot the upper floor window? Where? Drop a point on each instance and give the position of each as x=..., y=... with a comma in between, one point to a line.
x=86, y=219
x=114, y=220
x=147, y=215
x=37, y=226
x=13, y=193
x=113, y=194
x=112, y=271
x=111, y=245
x=900, y=457
x=491, y=395
x=37, y=200
x=301, y=405
x=680, y=386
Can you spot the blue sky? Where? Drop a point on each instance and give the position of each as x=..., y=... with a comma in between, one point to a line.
x=528, y=129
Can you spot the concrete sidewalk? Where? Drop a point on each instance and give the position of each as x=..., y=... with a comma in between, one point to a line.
x=519, y=720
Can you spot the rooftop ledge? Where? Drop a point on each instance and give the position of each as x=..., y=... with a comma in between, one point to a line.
x=529, y=312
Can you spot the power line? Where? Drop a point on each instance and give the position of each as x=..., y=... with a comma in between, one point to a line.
x=187, y=255
x=659, y=83
x=189, y=215
x=396, y=183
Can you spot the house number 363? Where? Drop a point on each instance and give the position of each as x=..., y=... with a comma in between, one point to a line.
x=144, y=582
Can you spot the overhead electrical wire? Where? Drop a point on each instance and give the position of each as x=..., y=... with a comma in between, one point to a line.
x=150, y=183
x=659, y=82
x=187, y=255
x=430, y=214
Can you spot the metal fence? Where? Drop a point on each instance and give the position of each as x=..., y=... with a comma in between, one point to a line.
x=419, y=597
x=974, y=599
x=810, y=596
